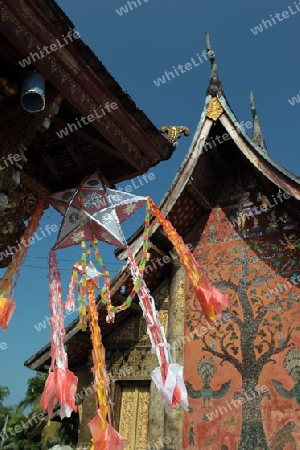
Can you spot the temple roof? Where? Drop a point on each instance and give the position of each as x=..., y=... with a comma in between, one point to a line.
x=77, y=75
x=217, y=118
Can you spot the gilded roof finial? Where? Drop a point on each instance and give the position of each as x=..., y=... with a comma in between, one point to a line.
x=257, y=135
x=174, y=133
x=214, y=87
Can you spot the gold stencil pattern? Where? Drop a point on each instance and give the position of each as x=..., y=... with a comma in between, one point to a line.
x=134, y=416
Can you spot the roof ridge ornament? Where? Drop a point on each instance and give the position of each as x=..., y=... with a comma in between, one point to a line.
x=174, y=133
x=215, y=109
x=257, y=135
x=215, y=88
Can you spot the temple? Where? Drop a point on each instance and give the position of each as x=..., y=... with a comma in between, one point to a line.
x=238, y=211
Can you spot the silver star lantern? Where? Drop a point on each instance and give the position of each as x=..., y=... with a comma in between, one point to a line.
x=93, y=210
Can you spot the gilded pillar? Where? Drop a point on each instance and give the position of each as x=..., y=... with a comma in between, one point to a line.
x=173, y=423
x=156, y=416
x=87, y=406
x=156, y=412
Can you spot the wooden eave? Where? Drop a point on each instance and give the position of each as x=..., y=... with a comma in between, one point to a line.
x=121, y=145
x=76, y=73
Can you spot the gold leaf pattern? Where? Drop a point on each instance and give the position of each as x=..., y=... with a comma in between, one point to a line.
x=215, y=109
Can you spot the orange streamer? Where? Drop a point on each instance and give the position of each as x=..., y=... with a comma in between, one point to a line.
x=101, y=378
x=7, y=306
x=9, y=280
x=104, y=436
x=211, y=299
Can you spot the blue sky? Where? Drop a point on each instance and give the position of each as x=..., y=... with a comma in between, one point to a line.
x=137, y=48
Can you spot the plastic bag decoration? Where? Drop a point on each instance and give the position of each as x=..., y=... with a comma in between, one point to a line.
x=9, y=281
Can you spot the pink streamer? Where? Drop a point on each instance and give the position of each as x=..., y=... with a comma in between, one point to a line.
x=61, y=384
x=168, y=377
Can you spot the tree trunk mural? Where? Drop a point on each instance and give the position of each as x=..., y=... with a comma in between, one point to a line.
x=252, y=420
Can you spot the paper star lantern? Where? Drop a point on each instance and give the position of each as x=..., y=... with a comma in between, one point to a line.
x=93, y=210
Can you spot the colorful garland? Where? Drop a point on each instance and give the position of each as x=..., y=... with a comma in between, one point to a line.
x=105, y=295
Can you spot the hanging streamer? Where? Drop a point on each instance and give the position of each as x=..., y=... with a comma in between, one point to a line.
x=105, y=292
x=211, y=299
x=104, y=436
x=10, y=278
x=7, y=307
x=61, y=384
x=168, y=377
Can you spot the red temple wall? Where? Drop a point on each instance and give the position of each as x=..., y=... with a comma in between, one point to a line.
x=250, y=248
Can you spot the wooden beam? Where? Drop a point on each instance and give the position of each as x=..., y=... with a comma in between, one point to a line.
x=38, y=148
x=122, y=254
x=78, y=157
x=219, y=160
x=91, y=140
x=33, y=185
x=202, y=197
x=135, y=308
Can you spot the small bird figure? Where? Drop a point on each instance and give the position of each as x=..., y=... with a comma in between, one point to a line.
x=206, y=369
x=292, y=366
